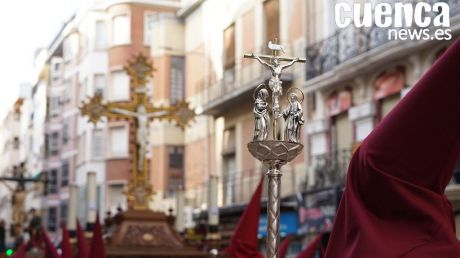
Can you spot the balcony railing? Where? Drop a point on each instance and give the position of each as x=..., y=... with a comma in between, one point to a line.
x=237, y=188
x=330, y=169
x=351, y=42
x=245, y=75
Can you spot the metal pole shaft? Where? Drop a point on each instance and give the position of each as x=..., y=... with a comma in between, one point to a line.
x=273, y=210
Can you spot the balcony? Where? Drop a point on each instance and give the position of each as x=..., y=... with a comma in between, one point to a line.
x=236, y=84
x=330, y=169
x=351, y=50
x=237, y=188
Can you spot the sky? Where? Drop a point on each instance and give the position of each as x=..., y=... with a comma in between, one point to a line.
x=26, y=25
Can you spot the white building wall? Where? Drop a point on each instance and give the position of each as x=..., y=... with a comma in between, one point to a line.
x=94, y=61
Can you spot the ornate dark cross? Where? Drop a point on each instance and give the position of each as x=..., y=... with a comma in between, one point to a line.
x=142, y=112
x=19, y=194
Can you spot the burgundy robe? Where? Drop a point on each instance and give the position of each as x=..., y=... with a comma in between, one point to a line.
x=394, y=204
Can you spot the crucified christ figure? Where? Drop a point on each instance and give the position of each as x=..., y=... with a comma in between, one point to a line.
x=275, y=83
x=142, y=131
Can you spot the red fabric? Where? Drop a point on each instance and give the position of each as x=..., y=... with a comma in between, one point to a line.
x=65, y=243
x=50, y=249
x=394, y=204
x=21, y=251
x=310, y=251
x=97, y=243
x=82, y=244
x=284, y=246
x=244, y=242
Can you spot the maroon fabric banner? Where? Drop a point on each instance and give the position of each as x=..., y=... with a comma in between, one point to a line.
x=50, y=249
x=82, y=244
x=244, y=242
x=284, y=246
x=310, y=251
x=97, y=243
x=66, y=247
x=21, y=251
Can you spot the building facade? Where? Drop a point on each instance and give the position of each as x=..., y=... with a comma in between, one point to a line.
x=220, y=84
x=352, y=79
x=86, y=58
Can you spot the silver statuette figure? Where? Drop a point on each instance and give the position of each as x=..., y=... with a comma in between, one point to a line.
x=293, y=115
x=261, y=115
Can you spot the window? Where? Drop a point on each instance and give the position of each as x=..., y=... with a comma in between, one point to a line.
x=272, y=19
x=229, y=144
x=66, y=131
x=52, y=217
x=67, y=91
x=176, y=79
x=119, y=141
x=120, y=86
x=229, y=47
x=46, y=145
x=16, y=143
x=312, y=97
x=121, y=30
x=97, y=145
x=229, y=179
x=64, y=212
x=54, y=106
x=116, y=195
x=82, y=90
x=52, y=181
x=229, y=56
x=101, y=35
x=81, y=148
x=318, y=144
x=65, y=173
x=70, y=47
x=148, y=27
x=363, y=128
x=54, y=144
x=56, y=69
x=99, y=84
x=56, y=64
x=175, y=169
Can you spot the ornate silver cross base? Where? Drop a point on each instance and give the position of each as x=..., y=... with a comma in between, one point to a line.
x=274, y=154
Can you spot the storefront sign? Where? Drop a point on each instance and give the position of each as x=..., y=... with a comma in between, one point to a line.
x=318, y=212
x=388, y=84
x=289, y=223
x=338, y=103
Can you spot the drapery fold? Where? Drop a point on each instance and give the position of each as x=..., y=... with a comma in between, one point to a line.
x=394, y=203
